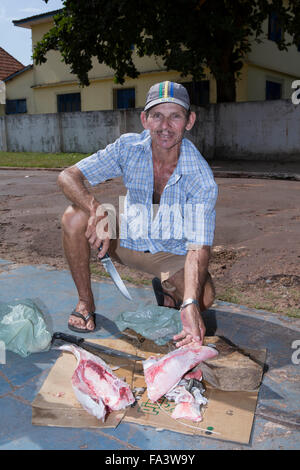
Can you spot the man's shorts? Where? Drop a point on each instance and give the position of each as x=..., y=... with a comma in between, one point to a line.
x=162, y=265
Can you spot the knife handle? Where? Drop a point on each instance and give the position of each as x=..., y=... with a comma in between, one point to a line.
x=106, y=256
x=68, y=338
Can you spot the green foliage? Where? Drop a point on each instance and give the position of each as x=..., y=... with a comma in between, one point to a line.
x=39, y=159
x=187, y=34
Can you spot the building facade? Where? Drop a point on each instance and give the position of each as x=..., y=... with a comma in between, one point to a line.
x=267, y=74
x=8, y=66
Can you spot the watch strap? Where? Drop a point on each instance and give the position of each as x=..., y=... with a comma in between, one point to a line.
x=187, y=302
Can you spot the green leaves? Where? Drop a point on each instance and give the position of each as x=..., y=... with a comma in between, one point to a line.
x=187, y=34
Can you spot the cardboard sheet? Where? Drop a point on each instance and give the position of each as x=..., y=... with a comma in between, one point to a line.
x=56, y=404
x=228, y=415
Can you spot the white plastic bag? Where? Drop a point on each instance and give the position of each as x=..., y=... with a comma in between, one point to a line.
x=23, y=328
x=159, y=324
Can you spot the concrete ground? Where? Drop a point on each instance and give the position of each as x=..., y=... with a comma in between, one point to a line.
x=255, y=257
x=54, y=292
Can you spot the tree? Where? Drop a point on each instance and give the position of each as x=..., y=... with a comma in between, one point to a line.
x=188, y=35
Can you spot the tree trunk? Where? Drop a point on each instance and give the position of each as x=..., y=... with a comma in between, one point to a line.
x=226, y=91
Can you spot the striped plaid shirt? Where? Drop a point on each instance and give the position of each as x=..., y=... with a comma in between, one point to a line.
x=185, y=217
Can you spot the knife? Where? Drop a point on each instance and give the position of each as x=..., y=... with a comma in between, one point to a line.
x=93, y=347
x=111, y=270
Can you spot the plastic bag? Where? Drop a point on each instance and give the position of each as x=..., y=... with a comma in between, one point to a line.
x=23, y=328
x=159, y=324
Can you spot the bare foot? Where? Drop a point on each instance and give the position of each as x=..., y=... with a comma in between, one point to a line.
x=84, y=308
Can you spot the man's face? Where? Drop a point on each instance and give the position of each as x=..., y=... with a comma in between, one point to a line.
x=167, y=123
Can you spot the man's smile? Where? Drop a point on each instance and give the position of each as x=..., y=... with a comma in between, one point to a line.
x=165, y=135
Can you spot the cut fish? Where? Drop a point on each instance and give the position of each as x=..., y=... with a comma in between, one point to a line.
x=196, y=373
x=189, y=401
x=163, y=373
x=187, y=410
x=179, y=394
x=95, y=385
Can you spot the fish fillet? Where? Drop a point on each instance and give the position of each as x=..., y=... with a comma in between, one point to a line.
x=196, y=373
x=162, y=373
x=179, y=394
x=187, y=410
x=187, y=403
x=95, y=385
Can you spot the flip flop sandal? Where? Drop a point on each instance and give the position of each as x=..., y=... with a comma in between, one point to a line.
x=85, y=319
x=159, y=294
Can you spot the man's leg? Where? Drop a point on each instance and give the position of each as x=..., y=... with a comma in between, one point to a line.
x=168, y=267
x=175, y=286
x=77, y=252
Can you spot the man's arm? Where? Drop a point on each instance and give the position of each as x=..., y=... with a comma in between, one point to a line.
x=195, y=271
x=200, y=223
x=195, y=275
x=71, y=181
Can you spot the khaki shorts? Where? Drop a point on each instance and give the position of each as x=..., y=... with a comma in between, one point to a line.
x=162, y=265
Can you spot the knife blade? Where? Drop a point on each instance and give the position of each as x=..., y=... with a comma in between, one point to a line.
x=93, y=347
x=111, y=270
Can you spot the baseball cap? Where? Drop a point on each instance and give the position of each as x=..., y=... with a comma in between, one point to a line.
x=167, y=92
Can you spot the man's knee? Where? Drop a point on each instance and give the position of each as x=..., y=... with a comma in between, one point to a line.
x=74, y=220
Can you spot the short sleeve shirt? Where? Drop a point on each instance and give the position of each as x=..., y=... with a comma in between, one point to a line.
x=185, y=217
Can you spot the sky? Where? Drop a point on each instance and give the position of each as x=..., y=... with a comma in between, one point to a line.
x=15, y=40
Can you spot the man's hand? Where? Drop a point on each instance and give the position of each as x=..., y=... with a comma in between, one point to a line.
x=193, y=328
x=97, y=230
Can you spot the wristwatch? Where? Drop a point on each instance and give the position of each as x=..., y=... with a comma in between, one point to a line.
x=187, y=302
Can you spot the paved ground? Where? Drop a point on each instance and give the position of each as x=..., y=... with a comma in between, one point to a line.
x=53, y=291
x=256, y=254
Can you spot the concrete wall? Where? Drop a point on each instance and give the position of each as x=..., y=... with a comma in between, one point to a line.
x=267, y=130
x=83, y=132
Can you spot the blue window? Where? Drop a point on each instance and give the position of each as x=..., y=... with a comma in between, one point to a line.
x=16, y=106
x=273, y=90
x=198, y=91
x=274, y=30
x=69, y=102
x=124, y=98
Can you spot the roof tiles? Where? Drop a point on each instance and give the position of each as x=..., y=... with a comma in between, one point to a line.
x=8, y=64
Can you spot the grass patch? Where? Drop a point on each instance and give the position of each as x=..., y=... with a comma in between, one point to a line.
x=269, y=301
x=39, y=159
x=98, y=271
x=230, y=295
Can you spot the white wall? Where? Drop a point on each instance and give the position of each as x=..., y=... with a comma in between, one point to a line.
x=259, y=130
